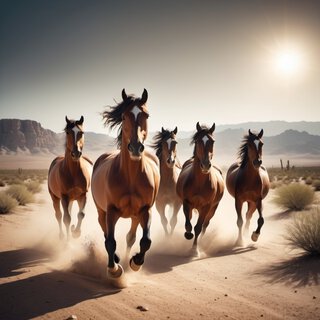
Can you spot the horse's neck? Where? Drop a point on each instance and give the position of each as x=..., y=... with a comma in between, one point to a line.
x=249, y=169
x=128, y=166
x=196, y=168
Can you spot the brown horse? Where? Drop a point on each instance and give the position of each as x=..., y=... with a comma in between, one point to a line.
x=125, y=183
x=248, y=181
x=69, y=178
x=165, y=145
x=200, y=184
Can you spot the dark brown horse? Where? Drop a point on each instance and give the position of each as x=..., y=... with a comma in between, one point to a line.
x=69, y=178
x=200, y=184
x=248, y=181
x=125, y=183
x=165, y=144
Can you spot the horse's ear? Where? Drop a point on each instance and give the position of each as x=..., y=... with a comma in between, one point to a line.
x=81, y=120
x=67, y=120
x=212, y=128
x=198, y=126
x=144, y=96
x=162, y=130
x=250, y=133
x=260, y=134
x=124, y=95
x=175, y=130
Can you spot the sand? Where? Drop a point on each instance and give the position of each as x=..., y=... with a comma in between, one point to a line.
x=42, y=277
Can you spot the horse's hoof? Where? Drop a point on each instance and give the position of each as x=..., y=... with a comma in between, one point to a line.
x=255, y=236
x=194, y=252
x=116, y=271
x=75, y=233
x=188, y=235
x=134, y=266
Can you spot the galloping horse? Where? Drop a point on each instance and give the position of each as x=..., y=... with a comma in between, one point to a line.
x=125, y=183
x=69, y=178
x=165, y=145
x=200, y=184
x=248, y=181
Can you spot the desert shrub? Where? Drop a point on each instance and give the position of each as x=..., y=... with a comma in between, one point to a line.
x=2, y=183
x=294, y=196
x=7, y=203
x=20, y=193
x=33, y=186
x=14, y=181
x=308, y=181
x=316, y=184
x=304, y=231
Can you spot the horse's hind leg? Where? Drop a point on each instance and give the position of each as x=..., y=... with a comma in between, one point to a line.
x=239, y=204
x=161, y=209
x=145, y=219
x=131, y=236
x=251, y=208
x=76, y=231
x=56, y=206
x=256, y=234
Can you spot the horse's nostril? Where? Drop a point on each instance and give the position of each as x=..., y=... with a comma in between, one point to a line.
x=141, y=147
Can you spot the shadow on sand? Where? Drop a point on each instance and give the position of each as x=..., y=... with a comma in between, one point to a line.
x=39, y=294
x=300, y=271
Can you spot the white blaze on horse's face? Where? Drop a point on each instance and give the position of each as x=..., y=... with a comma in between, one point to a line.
x=205, y=139
x=75, y=130
x=256, y=143
x=136, y=110
x=169, y=143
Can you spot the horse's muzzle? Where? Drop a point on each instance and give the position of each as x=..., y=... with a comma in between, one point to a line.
x=257, y=163
x=170, y=162
x=135, y=149
x=205, y=166
x=76, y=154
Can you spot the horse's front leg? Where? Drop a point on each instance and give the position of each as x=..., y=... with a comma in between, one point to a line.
x=145, y=243
x=76, y=231
x=251, y=208
x=188, y=215
x=174, y=218
x=255, y=234
x=66, y=214
x=239, y=204
x=164, y=221
x=115, y=270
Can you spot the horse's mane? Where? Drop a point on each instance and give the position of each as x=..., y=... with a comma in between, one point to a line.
x=195, y=137
x=159, y=138
x=113, y=116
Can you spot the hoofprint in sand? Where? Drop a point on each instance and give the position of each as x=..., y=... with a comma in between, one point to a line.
x=42, y=277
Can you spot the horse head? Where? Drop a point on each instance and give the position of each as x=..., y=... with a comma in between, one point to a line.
x=255, y=144
x=134, y=123
x=203, y=150
x=75, y=138
x=169, y=146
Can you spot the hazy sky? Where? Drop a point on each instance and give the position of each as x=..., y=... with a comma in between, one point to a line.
x=208, y=61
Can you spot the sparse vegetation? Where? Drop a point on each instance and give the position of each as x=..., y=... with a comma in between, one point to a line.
x=20, y=176
x=33, y=186
x=316, y=185
x=2, y=183
x=294, y=196
x=7, y=203
x=304, y=231
x=20, y=193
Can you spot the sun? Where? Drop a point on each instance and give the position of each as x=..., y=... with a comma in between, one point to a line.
x=288, y=61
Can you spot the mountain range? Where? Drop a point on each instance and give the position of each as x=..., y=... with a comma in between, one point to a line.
x=280, y=138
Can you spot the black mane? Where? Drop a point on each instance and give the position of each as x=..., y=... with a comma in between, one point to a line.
x=113, y=117
x=159, y=138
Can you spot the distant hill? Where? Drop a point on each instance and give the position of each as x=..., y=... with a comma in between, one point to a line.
x=26, y=135
x=29, y=136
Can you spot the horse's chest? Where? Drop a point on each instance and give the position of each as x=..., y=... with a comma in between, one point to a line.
x=130, y=204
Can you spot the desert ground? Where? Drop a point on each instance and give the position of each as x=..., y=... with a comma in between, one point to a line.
x=42, y=277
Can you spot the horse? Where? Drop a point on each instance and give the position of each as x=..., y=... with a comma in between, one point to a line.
x=165, y=144
x=125, y=182
x=69, y=178
x=248, y=181
x=200, y=184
